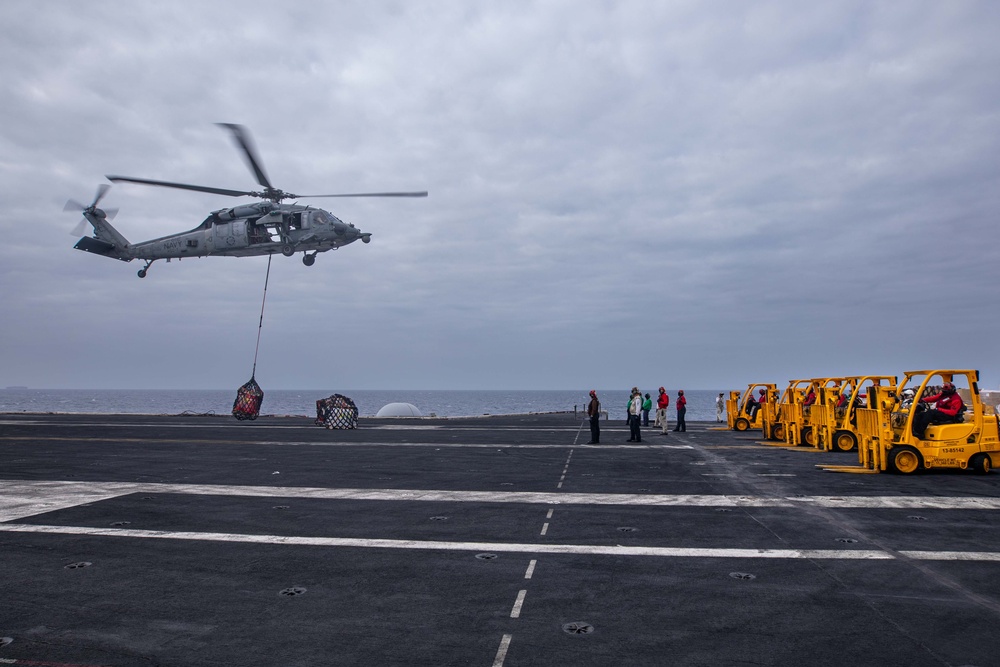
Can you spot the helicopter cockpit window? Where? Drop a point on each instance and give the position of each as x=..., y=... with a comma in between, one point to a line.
x=323, y=218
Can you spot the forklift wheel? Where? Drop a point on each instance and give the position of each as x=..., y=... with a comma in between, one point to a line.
x=741, y=424
x=809, y=436
x=980, y=463
x=905, y=460
x=778, y=432
x=844, y=441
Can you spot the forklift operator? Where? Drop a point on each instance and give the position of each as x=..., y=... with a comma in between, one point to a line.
x=753, y=404
x=947, y=410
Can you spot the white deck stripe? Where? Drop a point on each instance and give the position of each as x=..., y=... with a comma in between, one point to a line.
x=21, y=499
x=516, y=611
x=421, y=545
x=369, y=443
x=952, y=555
x=502, y=651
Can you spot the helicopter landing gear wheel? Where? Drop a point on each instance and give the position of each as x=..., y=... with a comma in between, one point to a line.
x=309, y=260
x=287, y=250
x=143, y=270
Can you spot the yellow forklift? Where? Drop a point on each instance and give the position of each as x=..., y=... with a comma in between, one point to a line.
x=835, y=423
x=886, y=441
x=788, y=418
x=817, y=416
x=741, y=413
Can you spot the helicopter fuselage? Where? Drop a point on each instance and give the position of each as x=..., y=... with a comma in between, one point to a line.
x=262, y=228
x=255, y=229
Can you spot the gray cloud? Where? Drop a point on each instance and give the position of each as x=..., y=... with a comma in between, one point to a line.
x=625, y=193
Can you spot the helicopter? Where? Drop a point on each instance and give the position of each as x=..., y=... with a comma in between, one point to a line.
x=262, y=228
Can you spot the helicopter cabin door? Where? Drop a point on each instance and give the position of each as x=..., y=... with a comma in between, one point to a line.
x=231, y=235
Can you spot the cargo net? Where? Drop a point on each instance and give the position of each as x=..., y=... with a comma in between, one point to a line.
x=248, y=400
x=337, y=411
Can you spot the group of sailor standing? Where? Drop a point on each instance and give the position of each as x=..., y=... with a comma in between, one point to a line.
x=639, y=407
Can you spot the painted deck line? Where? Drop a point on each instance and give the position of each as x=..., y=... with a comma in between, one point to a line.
x=306, y=423
x=515, y=612
x=368, y=443
x=952, y=555
x=423, y=545
x=502, y=651
x=21, y=499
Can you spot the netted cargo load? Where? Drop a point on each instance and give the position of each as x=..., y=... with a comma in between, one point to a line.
x=337, y=411
x=248, y=400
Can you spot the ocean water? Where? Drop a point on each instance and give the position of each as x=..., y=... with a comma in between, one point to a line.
x=442, y=403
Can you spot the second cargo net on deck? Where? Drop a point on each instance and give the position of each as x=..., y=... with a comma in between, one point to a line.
x=337, y=411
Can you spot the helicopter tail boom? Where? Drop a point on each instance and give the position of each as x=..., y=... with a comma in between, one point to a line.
x=106, y=240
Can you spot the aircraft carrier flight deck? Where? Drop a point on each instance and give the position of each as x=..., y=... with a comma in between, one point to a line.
x=495, y=541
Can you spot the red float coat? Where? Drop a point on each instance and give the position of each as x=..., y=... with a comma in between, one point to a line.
x=948, y=405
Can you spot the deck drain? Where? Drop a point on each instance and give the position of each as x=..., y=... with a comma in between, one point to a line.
x=439, y=518
x=641, y=490
x=121, y=523
x=5, y=640
x=847, y=540
x=742, y=575
x=917, y=518
x=77, y=566
x=292, y=592
x=627, y=529
x=486, y=556
x=723, y=509
x=281, y=507
x=577, y=628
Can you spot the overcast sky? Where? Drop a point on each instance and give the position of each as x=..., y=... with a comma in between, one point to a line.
x=699, y=195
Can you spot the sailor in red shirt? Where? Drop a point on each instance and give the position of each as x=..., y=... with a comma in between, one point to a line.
x=662, y=401
x=681, y=404
x=946, y=411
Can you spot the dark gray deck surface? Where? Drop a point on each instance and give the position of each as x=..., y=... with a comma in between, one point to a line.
x=478, y=542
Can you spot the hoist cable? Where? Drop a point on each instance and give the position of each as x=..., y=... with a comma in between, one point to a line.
x=260, y=326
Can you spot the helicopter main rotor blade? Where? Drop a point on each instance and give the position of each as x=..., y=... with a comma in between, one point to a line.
x=368, y=194
x=242, y=137
x=180, y=186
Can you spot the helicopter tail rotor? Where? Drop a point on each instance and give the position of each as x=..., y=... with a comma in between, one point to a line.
x=105, y=214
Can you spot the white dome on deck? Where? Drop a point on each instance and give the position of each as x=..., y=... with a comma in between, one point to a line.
x=399, y=410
